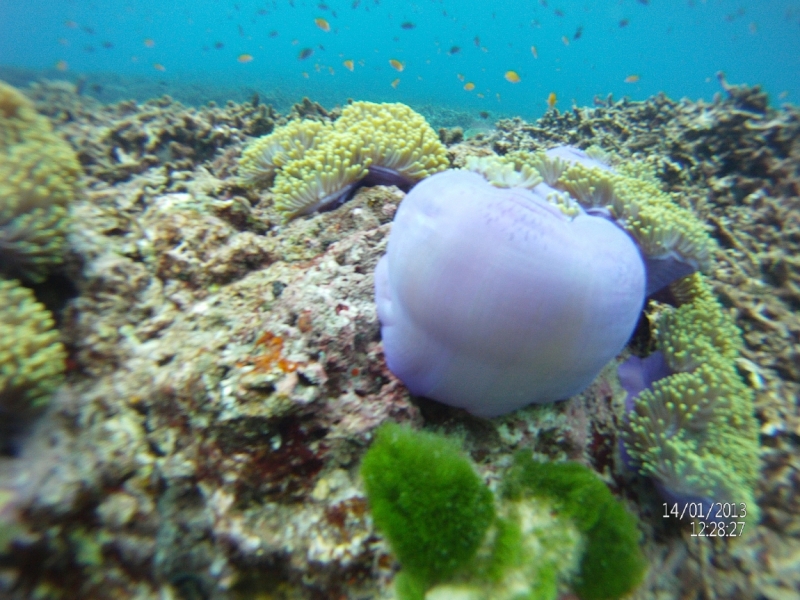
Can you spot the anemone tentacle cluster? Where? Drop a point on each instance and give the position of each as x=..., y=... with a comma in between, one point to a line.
x=667, y=234
x=691, y=427
x=315, y=164
x=31, y=357
x=39, y=176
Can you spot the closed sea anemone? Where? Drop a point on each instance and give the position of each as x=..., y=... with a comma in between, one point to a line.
x=500, y=290
x=491, y=299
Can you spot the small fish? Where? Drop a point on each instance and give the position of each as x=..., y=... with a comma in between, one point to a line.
x=477, y=41
x=71, y=24
x=551, y=100
x=407, y=25
x=397, y=65
x=578, y=33
x=305, y=53
x=460, y=77
x=558, y=12
x=241, y=30
x=107, y=45
x=322, y=24
x=753, y=27
x=631, y=79
x=218, y=45
x=623, y=23
x=534, y=52
x=355, y=4
x=348, y=64
x=295, y=42
x=480, y=95
x=543, y=3
x=783, y=95
x=454, y=50
x=88, y=29
x=244, y=58
x=483, y=114
x=395, y=39
x=331, y=71
x=565, y=39
x=469, y=86
x=512, y=77
x=273, y=33
x=395, y=83
x=645, y=2
x=321, y=47
x=159, y=67
x=322, y=6
x=149, y=42
x=62, y=65
x=305, y=74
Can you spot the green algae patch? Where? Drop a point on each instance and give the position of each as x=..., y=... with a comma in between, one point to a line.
x=427, y=499
x=612, y=564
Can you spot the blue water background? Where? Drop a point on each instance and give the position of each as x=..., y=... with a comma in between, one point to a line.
x=672, y=46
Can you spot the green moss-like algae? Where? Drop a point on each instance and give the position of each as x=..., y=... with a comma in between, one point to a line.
x=556, y=525
x=428, y=501
x=612, y=564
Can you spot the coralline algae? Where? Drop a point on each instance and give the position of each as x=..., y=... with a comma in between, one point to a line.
x=491, y=299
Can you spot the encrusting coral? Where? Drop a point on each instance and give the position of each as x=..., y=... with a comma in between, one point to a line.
x=31, y=357
x=39, y=175
x=317, y=164
x=691, y=428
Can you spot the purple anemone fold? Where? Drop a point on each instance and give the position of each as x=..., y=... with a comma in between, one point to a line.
x=492, y=299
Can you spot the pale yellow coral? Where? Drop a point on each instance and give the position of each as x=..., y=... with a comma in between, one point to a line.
x=262, y=157
x=503, y=174
x=31, y=357
x=395, y=137
x=313, y=163
x=661, y=228
x=695, y=430
x=39, y=176
x=318, y=178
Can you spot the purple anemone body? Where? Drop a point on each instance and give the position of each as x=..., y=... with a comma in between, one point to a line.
x=491, y=299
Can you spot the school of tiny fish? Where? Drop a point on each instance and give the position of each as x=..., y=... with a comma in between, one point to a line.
x=336, y=24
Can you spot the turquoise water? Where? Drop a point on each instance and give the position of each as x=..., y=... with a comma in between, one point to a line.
x=584, y=48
